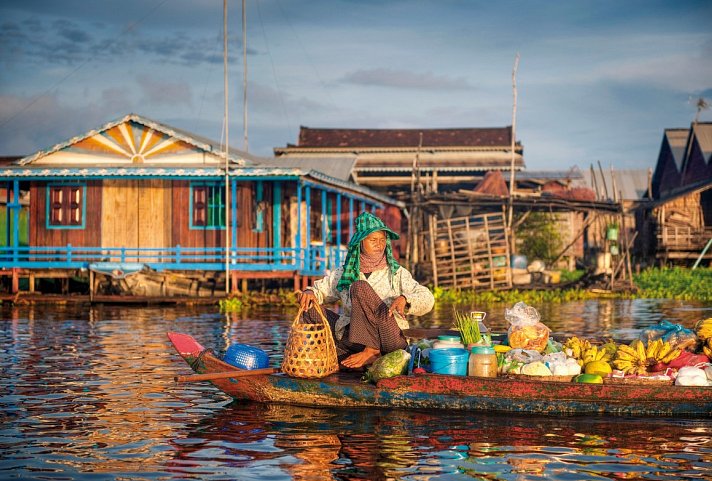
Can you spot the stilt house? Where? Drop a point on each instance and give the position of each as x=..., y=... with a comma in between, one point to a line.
x=676, y=223
x=137, y=196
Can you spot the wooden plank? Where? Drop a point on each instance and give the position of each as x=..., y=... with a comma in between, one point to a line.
x=452, y=254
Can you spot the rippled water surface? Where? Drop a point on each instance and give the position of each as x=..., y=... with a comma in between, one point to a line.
x=88, y=394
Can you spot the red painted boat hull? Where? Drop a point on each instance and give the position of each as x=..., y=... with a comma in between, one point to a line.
x=429, y=391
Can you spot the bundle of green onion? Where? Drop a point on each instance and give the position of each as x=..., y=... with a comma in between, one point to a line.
x=469, y=327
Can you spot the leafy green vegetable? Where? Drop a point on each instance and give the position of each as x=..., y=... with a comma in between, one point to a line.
x=392, y=364
x=469, y=327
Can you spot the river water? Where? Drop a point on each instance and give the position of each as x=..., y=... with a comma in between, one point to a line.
x=87, y=393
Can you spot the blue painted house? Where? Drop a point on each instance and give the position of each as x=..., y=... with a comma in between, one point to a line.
x=137, y=196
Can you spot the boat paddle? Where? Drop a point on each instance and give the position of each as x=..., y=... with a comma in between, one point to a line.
x=226, y=374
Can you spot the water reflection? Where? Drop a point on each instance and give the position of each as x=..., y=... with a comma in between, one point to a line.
x=320, y=444
x=88, y=393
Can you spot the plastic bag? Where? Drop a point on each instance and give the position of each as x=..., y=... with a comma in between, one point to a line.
x=522, y=315
x=392, y=364
x=525, y=330
x=677, y=335
x=691, y=376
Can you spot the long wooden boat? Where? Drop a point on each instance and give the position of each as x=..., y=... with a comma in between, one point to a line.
x=431, y=391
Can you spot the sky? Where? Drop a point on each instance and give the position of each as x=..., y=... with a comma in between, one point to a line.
x=597, y=81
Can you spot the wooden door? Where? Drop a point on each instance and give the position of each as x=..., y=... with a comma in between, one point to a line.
x=137, y=215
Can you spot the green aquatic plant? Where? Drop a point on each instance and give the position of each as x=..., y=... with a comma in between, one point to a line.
x=675, y=283
x=231, y=304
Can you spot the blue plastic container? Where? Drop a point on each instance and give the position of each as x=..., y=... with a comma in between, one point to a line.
x=244, y=356
x=449, y=361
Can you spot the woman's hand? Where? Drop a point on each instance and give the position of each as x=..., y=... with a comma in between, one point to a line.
x=398, y=305
x=307, y=298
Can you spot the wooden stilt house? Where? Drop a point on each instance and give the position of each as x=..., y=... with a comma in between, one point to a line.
x=136, y=196
x=676, y=222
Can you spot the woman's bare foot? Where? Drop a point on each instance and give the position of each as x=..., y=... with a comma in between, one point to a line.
x=360, y=359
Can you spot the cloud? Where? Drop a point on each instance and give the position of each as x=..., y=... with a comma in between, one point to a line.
x=384, y=77
x=162, y=92
x=45, y=122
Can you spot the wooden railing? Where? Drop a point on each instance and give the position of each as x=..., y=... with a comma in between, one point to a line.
x=683, y=238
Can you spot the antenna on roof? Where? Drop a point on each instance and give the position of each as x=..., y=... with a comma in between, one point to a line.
x=702, y=104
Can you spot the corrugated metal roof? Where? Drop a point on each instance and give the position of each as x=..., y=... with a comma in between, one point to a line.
x=104, y=172
x=703, y=133
x=677, y=139
x=336, y=167
x=631, y=184
x=574, y=173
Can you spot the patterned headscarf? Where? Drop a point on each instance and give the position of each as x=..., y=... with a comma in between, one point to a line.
x=366, y=223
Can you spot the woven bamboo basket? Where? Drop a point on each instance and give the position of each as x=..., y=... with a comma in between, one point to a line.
x=310, y=350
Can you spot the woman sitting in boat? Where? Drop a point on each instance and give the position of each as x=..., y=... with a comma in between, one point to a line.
x=375, y=292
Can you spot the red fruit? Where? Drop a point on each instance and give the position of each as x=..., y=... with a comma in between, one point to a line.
x=419, y=370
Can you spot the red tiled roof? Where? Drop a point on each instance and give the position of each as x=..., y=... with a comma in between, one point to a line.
x=472, y=137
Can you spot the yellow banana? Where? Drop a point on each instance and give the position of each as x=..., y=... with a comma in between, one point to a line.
x=672, y=355
x=664, y=350
x=707, y=351
x=622, y=364
x=640, y=347
x=703, y=328
x=628, y=350
x=625, y=356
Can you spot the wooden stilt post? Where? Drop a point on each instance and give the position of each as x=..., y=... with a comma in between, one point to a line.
x=15, y=280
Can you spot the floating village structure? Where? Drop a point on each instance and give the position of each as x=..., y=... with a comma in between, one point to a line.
x=675, y=221
x=136, y=206
x=456, y=186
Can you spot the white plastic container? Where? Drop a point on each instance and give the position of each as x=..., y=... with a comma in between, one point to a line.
x=448, y=342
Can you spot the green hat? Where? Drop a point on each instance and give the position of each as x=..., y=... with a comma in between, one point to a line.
x=367, y=223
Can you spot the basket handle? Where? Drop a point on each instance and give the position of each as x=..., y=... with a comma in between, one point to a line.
x=318, y=308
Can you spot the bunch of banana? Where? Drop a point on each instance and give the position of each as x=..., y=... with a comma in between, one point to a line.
x=611, y=348
x=703, y=329
x=638, y=359
x=595, y=353
x=584, y=352
x=576, y=348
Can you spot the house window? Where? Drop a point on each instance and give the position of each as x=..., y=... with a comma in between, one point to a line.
x=207, y=206
x=66, y=206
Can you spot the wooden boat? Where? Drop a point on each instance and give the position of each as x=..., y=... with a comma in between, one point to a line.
x=431, y=391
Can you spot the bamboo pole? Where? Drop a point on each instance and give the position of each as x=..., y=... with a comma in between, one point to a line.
x=227, y=154
x=513, y=147
x=225, y=375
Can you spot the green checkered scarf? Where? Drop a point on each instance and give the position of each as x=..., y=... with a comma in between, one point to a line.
x=366, y=223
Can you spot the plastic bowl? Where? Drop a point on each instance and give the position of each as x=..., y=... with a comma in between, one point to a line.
x=244, y=356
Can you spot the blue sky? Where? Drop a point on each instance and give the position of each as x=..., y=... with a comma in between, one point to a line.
x=597, y=80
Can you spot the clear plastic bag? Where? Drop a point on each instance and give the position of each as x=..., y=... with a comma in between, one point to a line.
x=677, y=335
x=525, y=329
